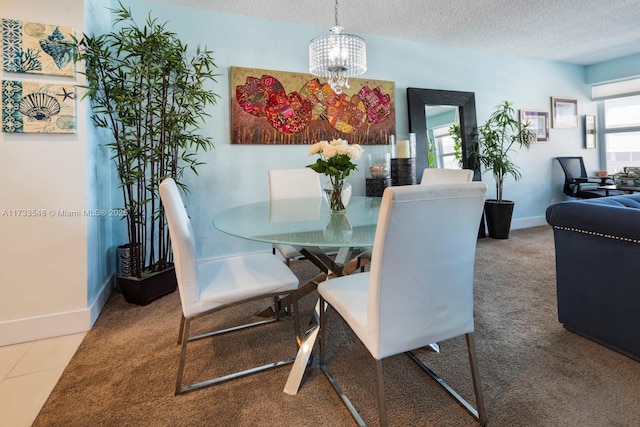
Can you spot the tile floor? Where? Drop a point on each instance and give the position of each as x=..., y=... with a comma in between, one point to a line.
x=28, y=373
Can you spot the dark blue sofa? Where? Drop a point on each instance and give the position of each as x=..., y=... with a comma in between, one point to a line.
x=597, y=245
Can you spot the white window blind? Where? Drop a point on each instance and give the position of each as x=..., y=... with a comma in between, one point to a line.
x=616, y=89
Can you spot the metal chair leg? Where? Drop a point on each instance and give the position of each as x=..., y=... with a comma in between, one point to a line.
x=184, y=335
x=181, y=330
x=479, y=413
x=382, y=400
x=475, y=375
x=296, y=318
x=322, y=321
x=336, y=387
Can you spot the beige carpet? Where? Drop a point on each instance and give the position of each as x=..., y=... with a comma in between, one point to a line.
x=534, y=372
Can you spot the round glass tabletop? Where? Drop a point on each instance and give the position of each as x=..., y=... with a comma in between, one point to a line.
x=303, y=222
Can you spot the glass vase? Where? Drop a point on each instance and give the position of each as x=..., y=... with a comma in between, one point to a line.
x=337, y=193
x=338, y=228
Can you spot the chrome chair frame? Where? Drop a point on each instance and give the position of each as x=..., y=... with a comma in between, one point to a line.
x=184, y=339
x=479, y=414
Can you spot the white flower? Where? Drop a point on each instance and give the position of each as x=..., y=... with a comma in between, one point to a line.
x=316, y=148
x=339, y=142
x=342, y=148
x=355, y=152
x=329, y=151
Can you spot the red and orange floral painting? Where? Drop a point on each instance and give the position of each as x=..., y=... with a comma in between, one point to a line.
x=278, y=107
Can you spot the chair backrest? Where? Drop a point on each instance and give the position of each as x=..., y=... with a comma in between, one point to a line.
x=294, y=184
x=182, y=244
x=445, y=176
x=573, y=168
x=421, y=279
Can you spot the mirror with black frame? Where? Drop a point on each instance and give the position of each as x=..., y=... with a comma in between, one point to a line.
x=432, y=113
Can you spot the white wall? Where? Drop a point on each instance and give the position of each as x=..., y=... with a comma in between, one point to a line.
x=43, y=264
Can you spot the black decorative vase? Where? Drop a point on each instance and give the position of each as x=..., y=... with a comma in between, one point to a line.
x=403, y=171
x=498, y=215
x=149, y=288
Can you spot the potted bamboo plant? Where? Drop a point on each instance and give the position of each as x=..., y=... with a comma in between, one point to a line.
x=150, y=94
x=501, y=134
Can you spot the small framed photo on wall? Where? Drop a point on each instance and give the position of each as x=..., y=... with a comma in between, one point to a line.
x=564, y=112
x=589, y=131
x=538, y=123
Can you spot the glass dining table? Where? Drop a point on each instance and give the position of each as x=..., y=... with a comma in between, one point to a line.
x=309, y=226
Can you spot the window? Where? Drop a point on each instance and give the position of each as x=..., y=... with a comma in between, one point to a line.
x=622, y=132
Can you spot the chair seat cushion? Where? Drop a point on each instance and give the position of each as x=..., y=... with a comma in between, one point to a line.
x=348, y=296
x=231, y=279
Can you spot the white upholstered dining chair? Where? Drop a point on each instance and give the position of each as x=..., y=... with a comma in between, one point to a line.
x=293, y=184
x=419, y=289
x=432, y=176
x=207, y=286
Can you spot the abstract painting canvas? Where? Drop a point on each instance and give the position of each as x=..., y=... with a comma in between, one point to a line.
x=31, y=47
x=31, y=107
x=278, y=107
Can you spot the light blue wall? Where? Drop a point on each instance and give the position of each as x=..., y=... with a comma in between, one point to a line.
x=617, y=69
x=100, y=257
x=236, y=174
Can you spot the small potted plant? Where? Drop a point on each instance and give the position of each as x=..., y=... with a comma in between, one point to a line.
x=501, y=135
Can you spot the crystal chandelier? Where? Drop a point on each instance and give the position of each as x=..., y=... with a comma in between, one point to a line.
x=337, y=56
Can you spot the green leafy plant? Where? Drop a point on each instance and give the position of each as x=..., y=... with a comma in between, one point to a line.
x=501, y=134
x=454, y=132
x=151, y=95
x=431, y=152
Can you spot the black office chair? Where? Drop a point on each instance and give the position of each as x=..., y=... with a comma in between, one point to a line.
x=576, y=182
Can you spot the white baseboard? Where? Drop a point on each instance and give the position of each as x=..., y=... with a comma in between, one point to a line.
x=54, y=324
x=46, y=326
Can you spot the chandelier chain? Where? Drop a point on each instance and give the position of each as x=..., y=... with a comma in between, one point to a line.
x=336, y=13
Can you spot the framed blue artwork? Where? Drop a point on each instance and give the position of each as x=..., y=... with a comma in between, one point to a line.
x=31, y=47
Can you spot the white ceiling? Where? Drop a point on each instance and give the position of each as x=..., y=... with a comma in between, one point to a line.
x=574, y=31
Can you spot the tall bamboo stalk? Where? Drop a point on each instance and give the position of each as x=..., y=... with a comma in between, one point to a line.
x=147, y=89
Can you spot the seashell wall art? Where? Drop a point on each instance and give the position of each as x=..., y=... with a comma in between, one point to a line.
x=31, y=107
x=31, y=47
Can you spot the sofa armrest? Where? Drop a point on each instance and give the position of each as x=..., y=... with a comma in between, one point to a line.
x=615, y=217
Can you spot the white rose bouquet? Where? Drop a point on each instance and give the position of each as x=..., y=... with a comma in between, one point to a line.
x=336, y=162
x=335, y=157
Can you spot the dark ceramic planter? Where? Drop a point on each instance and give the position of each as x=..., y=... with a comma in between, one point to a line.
x=498, y=216
x=150, y=288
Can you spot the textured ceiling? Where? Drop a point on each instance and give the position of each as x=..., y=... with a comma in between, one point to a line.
x=575, y=31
